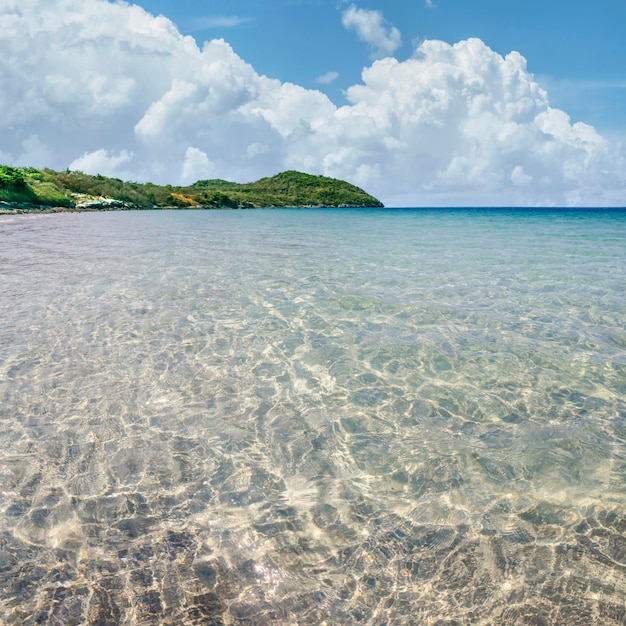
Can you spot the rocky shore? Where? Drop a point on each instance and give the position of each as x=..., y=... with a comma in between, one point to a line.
x=102, y=204
x=111, y=204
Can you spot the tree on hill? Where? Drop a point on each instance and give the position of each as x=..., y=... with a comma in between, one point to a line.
x=287, y=189
x=11, y=178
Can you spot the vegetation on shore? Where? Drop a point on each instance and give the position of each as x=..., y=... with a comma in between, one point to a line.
x=31, y=188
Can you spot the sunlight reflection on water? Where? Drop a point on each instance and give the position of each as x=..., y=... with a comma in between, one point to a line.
x=313, y=417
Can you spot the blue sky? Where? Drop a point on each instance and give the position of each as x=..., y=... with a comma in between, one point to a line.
x=576, y=49
x=421, y=103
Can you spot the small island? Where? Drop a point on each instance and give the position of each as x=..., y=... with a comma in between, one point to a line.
x=29, y=189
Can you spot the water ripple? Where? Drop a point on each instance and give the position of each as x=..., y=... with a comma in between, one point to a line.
x=313, y=417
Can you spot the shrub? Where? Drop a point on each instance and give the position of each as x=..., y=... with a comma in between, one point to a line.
x=11, y=178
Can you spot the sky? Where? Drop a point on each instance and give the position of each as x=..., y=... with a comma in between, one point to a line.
x=420, y=102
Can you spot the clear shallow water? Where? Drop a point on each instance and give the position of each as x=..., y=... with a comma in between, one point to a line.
x=313, y=417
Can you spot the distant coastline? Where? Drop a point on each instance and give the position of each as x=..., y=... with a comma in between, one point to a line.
x=28, y=190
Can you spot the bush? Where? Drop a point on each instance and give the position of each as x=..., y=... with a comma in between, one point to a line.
x=11, y=178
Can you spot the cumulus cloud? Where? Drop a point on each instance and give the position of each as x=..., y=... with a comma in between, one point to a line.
x=371, y=27
x=101, y=162
x=197, y=166
x=94, y=80
x=462, y=124
x=108, y=88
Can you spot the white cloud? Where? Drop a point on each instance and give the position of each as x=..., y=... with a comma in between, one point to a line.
x=164, y=113
x=101, y=162
x=519, y=178
x=461, y=124
x=371, y=27
x=108, y=88
x=32, y=149
x=326, y=79
x=256, y=149
x=197, y=166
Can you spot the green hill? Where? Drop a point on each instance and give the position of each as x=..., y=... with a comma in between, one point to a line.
x=30, y=188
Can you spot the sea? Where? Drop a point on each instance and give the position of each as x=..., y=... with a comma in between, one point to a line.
x=330, y=417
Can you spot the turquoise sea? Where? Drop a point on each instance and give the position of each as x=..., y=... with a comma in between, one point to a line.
x=332, y=417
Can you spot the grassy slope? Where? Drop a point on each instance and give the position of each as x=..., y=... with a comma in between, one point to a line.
x=294, y=189
x=31, y=186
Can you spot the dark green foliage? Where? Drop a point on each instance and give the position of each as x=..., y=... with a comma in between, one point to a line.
x=219, y=199
x=11, y=178
x=289, y=189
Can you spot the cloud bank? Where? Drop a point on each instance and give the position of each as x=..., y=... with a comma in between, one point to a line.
x=107, y=87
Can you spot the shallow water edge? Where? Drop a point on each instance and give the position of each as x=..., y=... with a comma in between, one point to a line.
x=313, y=417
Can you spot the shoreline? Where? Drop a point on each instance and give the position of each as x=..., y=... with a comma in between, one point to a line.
x=23, y=210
